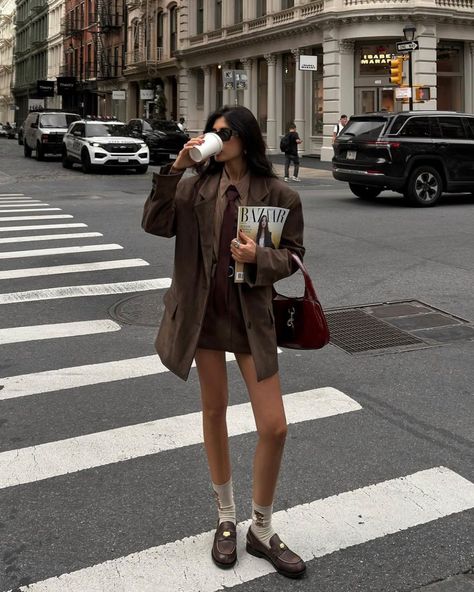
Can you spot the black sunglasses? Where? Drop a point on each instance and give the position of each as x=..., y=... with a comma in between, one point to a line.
x=225, y=133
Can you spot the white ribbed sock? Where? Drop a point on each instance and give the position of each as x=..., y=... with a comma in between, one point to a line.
x=225, y=501
x=262, y=523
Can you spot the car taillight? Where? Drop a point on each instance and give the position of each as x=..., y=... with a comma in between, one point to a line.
x=383, y=144
x=44, y=138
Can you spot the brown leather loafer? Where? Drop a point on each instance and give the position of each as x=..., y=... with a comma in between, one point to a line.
x=224, y=548
x=286, y=562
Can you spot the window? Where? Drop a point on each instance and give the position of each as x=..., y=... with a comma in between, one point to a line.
x=368, y=129
x=287, y=4
x=417, y=127
x=200, y=88
x=261, y=8
x=262, y=94
x=159, y=29
x=173, y=29
x=238, y=11
x=218, y=14
x=199, y=16
x=452, y=127
x=470, y=123
x=450, y=68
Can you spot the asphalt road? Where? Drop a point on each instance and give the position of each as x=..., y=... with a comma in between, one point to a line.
x=103, y=478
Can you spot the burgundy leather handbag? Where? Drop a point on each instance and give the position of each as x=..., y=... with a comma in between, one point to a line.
x=299, y=321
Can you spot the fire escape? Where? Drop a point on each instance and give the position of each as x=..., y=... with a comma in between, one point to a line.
x=106, y=25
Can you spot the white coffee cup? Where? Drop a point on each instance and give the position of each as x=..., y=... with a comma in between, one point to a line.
x=212, y=145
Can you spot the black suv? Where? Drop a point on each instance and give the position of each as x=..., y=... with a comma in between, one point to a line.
x=163, y=137
x=418, y=153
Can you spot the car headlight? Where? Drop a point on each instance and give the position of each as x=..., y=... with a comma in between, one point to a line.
x=143, y=145
x=96, y=144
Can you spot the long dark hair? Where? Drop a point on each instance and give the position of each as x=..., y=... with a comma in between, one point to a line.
x=265, y=230
x=242, y=121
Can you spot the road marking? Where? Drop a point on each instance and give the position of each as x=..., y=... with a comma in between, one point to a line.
x=48, y=237
x=79, y=268
x=52, y=459
x=49, y=217
x=42, y=227
x=22, y=205
x=31, y=210
x=314, y=530
x=59, y=251
x=26, y=201
x=89, y=290
x=56, y=330
x=11, y=195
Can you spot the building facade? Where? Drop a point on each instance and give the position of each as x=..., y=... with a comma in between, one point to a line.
x=353, y=40
x=31, y=52
x=7, y=44
x=55, y=58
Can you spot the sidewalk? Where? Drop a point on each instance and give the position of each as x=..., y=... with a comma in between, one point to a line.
x=310, y=168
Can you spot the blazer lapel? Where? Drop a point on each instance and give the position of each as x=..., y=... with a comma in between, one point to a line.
x=258, y=191
x=204, y=206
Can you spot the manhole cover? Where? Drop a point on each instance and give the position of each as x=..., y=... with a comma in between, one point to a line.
x=355, y=331
x=145, y=309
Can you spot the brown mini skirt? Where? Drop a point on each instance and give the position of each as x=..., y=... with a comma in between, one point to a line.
x=224, y=330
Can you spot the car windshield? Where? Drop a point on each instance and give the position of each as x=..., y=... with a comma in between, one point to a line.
x=105, y=129
x=164, y=126
x=364, y=129
x=58, y=119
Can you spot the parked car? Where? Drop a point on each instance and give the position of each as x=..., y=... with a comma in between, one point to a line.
x=164, y=138
x=95, y=144
x=420, y=154
x=3, y=131
x=44, y=132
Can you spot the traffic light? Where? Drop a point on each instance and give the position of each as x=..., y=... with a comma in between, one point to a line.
x=423, y=93
x=396, y=71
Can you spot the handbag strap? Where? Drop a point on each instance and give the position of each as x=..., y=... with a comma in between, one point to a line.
x=309, y=290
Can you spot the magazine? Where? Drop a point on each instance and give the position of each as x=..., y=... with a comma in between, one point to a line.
x=262, y=224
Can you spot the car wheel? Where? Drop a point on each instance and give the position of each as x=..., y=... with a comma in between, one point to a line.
x=67, y=163
x=142, y=169
x=364, y=191
x=86, y=162
x=39, y=152
x=424, y=187
x=26, y=150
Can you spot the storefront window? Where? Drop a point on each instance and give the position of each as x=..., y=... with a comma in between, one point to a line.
x=374, y=59
x=450, y=76
x=262, y=94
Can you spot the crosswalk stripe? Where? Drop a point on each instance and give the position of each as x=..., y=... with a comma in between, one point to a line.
x=21, y=205
x=90, y=290
x=31, y=210
x=121, y=444
x=79, y=268
x=314, y=530
x=56, y=330
x=42, y=227
x=47, y=217
x=11, y=195
x=48, y=237
x=59, y=251
x=26, y=201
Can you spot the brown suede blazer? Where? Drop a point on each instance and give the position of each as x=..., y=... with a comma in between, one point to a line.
x=175, y=207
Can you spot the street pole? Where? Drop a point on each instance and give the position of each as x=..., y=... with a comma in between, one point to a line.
x=410, y=80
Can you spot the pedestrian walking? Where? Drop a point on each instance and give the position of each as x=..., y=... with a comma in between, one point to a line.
x=181, y=124
x=289, y=145
x=207, y=313
x=340, y=125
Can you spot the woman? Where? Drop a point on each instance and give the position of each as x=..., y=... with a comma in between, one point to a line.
x=264, y=236
x=207, y=313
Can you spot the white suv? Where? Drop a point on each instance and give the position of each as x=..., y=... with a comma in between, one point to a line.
x=44, y=131
x=96, y=144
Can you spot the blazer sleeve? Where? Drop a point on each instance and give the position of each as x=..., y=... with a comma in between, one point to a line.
x=275, y=264
x=159, y=212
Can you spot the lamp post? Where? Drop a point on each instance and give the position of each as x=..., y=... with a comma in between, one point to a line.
x=409, y=33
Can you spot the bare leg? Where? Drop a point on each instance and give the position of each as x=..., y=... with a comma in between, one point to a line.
x=269, y=413
x=212, y=373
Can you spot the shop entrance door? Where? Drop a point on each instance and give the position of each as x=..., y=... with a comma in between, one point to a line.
x=372, y=99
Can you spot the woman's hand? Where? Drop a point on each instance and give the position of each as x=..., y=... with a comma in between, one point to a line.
x=244, y=250
x=183, y=160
